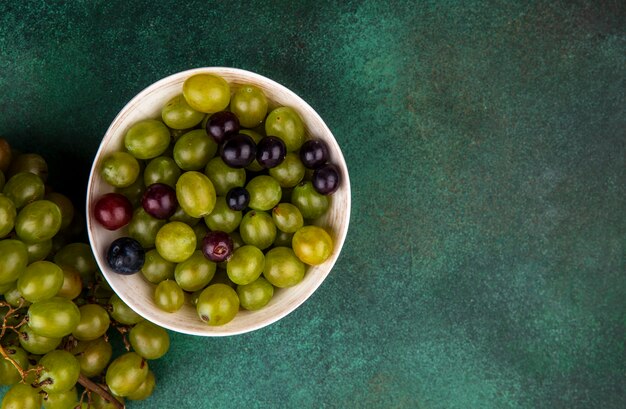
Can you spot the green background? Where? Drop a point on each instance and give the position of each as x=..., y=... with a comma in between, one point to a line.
x=484, y=266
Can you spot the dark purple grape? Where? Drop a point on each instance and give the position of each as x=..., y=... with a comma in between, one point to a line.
x=217, y=246
x=159, y=201
x=113, y=211
x=126, y=256
x=314, y=153
x=238, y=151
x=326, y=179
x=237, y=198
x=222, y=125
x=270, y=152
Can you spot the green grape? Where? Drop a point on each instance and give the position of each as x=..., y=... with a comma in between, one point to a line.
x=217, y=304
x=94, y=322
x=250, y=105
x=194, y=149
x=24, y=188
x=180, y=216
x=31, y=163
x=145, y=389
x=13, y=260
x=223, y=218
x=98, y=402
x=79, y=257
x=36, y=344
x=40, y=280
x=122, y=313
x=245, y=265
x=312, y=244
x=255, y=295
x=287, y=218
x=53, y=318
x=258, y=229
x=162, y=169
x=8, y=373
x=38, y=251
x=194, y=273
x=282, y=239
x=4, y=288
x=14, y=297
x=283, y=268
x=8, y=213
x=311, y=204
x=256, y=137
x=156, y=269
x=120, y=169
x=133, y=192
x=200, y=230
x=177, y=114
x=264, y=192
x=144, y=228
x=206, y=93
x=175, y=242
x=147, y=139
x=61, y=368
x=126, y=373
x=285, y=123
x=289, y=172
x=223, y=176
x=195, y=194
x=72, y=283
x=93, y=356
x=148, y=340
x=221, y=277
x=65, y=205
x=22, y=396
x=38, y=221
x=168, y=296
x=61, y=400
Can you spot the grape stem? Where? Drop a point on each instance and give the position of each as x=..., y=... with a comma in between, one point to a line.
x=94, y=387
x=3, y=351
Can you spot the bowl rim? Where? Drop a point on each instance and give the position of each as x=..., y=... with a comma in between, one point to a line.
x=128, y=107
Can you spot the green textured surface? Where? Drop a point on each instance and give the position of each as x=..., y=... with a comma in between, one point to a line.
x=484, y=267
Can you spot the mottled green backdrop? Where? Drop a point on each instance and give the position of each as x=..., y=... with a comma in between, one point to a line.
x=484, y=267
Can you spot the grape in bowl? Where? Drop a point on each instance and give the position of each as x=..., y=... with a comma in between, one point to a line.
x=146, y=107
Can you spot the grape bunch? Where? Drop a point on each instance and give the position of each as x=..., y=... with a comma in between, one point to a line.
x=58, y=315
x=219, y=196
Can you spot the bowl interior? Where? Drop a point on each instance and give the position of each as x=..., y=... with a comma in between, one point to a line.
x=138, y=292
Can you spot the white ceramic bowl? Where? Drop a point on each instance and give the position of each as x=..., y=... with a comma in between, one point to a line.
x=138, y=292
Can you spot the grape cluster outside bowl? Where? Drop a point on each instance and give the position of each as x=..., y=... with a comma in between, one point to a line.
x=138, y=292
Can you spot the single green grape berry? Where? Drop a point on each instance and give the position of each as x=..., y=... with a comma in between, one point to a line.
x=311, y=204
x=36, y=344
x=72, y=283
x=8, y=373
x=156, y=269
x=126, y=373
x=61, y=400
x=147, y=139
x=38, y=221
x=65, y=205
x=217, y=304
x=194, y=273
x=290, y=171
x=168, y=296
x=13, y=260
x=14, y=297
x=80, y=257
x=255, y=295
x=149, y=340
x=180, y=216
x=195, y=194
x=283, y=268
x=145, y=389
x=144, y=228
x=282, y=239
x=38, y=251
x=61, y=369
x=175, y=242
x=8, y=213
x=53, y=318
x=249, y=103
x=93, y=356
x=287, y=217
x=40, y=280
x=258, y=229
x=122, y=313
x=285, y=123
x=223, y=218
x=94, y=322
x=265, y=192
x=31, y=163
x=177, y=114
x=24, y=188
x=21, y=396
x=120, y=169
x=162, y=169
x=194, y=149
x=245, y=265
x=223, y=177
x=206, y=93
x=312, y=244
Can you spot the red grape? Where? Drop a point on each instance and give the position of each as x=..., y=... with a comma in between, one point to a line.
x=217, y=246
x=113, y=211
x=159, y=201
